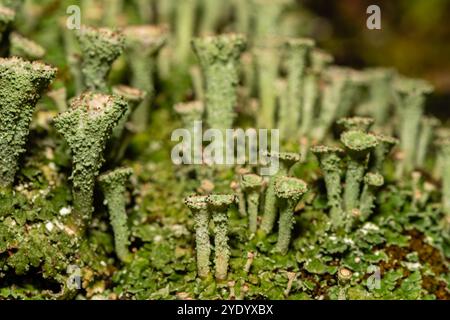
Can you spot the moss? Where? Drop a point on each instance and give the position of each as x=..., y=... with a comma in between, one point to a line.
x=21, y=86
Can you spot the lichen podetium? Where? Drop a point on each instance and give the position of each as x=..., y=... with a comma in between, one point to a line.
x=219, y=59
x=87, y=126
x=113, y=185
x=330, y=161
x=21, y=84
x=100, y=47
x=200, y=211
x=289, y=191
x=219, y=204
x=358, y=145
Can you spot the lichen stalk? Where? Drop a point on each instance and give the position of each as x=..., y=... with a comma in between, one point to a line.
x=219, y=205
x=7, y=16
x=100, y=47
x=289, y=191
x=330, y=163
x=113, y=185
x=199, y=208
x=358, y=145
x=297, y=58
x=142, y=46
x=372, y=181
x=382, y=150
x=251, y=184
x=21, y=85
x=426, y=134
x=286, y=161
x=219, y=60
x=87, y=126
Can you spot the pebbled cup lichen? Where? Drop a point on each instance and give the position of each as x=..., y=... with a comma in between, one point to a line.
x=21, y=84
x=113, y=185
x=219, y=59
x=87, y=126
x=99, y=47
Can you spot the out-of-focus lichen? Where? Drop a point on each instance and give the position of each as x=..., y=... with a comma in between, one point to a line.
x=100, y=47
x=219, y=59
x=251, y=185
x=25, y=48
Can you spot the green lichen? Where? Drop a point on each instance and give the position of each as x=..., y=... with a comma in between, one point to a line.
x=21, y=85
x=444, y=150
x=427, y=128
x=372, y=181
x=219, y=58
x=100, y=47
x=381, y=152
x=24, y=48
x=285, y=160
x=289, y=191
x=411, y=96
x=87, y=126
x=297, y=60
x=330, y=160
x=380, y=93
x=358, y=145
x=142, y=45
x=251, y=185
x=113, y=185
x=356, y=123
x=219, y=205
x=200, y=211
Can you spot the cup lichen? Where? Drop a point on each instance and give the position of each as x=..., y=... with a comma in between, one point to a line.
x=358, y=145
x=113, y=185
x=199, y=208
x=286, y=160
x=251, y=184
x=87, y=126
x=219, y=59
x=99, y=47
x=289, y=191
x=219, y=204
x=21, y=84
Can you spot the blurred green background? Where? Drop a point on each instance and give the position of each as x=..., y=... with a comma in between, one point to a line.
x=415, y=39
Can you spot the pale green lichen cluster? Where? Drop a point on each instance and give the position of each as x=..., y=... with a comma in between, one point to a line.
x=113, y=185
x=219, y=59
x=99, y=47
x=21, y=84
x=87, y=126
